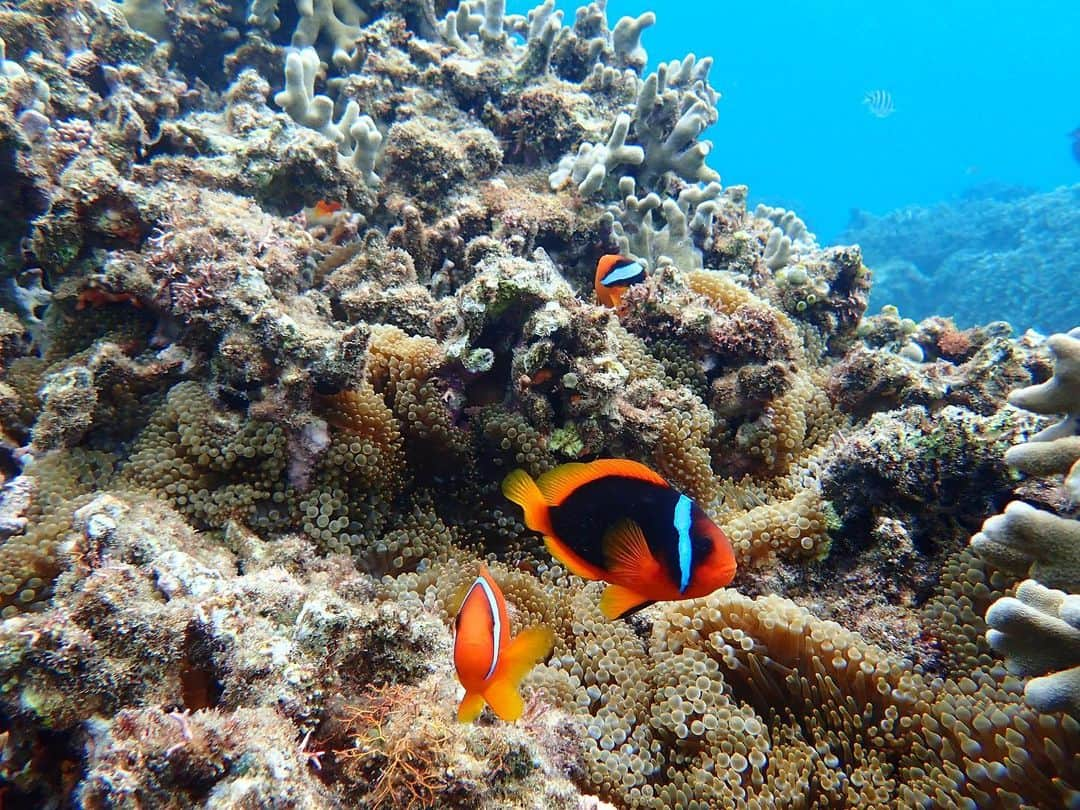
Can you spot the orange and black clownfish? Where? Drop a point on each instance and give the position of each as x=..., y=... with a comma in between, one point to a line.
x=491, y=665
x=614, y=274
x=618, y=521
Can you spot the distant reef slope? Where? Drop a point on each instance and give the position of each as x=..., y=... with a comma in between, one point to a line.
x=1000, y=253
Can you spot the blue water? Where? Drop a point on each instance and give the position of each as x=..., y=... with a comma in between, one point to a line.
x=984, y=92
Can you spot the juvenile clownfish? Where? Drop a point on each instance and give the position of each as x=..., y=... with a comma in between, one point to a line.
x=325, y=208
x=322, y=213
x=614, y=274
x=618, y=521
x=491, y=665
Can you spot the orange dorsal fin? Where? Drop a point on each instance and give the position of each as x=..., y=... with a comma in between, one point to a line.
x=526, y=649
x=618, y=602
x=520, y=488
x=556, y=485
x=471, y=706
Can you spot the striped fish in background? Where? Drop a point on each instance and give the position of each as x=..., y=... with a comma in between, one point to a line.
x=879, y=103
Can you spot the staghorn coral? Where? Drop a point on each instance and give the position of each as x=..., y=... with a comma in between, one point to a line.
x=355, y=134
x=590, y=166
x=1024, y=540
x=634, y=228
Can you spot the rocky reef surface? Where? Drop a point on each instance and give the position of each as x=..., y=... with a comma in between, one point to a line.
x=998, y=253
x=289, y=287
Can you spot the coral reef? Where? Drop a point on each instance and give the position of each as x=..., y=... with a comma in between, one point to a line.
x=288, y=288
x=1039, y=633
x=1039, y=630
x=996, y=254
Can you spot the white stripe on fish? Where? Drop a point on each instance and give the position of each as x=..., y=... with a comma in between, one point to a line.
x=879, y=103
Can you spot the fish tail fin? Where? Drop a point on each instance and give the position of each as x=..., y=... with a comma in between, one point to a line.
x=520, y=488
x=618, y=602
x=471, y=706
x=503, y=692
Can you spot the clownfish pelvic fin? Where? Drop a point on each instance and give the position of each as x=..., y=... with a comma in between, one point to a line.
x=471, y=706
x=618, y=602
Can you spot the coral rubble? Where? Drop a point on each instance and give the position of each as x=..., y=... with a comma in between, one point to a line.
x=289, y=287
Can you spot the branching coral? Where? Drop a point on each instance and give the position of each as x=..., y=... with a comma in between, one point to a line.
x=1037, y=630
x=1039, y=633
x=673, y=107
x=356, y=135
x=1055, y=450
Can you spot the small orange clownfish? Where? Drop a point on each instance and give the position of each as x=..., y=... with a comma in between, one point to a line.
x=491, y=665
x=614, y=274
x=322, y=213
x=618, y=521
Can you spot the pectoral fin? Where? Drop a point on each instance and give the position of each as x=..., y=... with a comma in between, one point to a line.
x=504, y=699
x=626, y=551
x=503, y=691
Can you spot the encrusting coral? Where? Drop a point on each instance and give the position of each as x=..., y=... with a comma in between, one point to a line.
x=280, y=310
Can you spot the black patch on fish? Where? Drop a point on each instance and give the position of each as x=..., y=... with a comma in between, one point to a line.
x=637, y=278
x=586, y=515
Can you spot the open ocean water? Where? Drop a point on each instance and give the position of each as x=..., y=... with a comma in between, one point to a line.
x=984, y=96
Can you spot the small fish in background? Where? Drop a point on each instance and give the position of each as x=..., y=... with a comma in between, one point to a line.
x=879, y=103
x=617, y=521
x=1075, y=135
x=489, y=664
x=322, y=213
x=614, y=274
